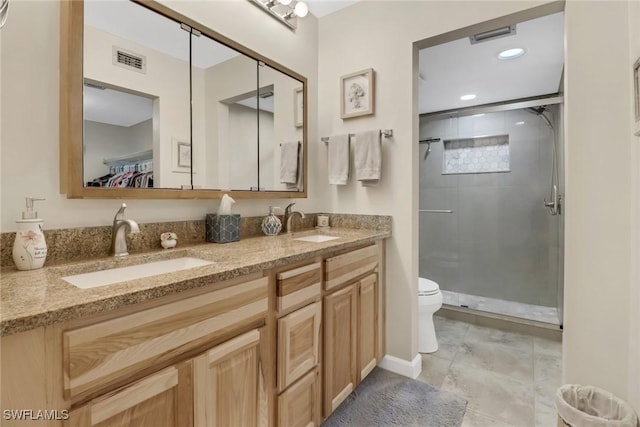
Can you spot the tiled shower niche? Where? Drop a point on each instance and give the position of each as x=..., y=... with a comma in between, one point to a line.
x=483, y=154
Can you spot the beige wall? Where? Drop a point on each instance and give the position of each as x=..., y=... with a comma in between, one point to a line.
x=598, y=202
x=29, y=131
x=634, y=300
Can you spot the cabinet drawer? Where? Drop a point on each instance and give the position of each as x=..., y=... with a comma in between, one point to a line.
x=298, y=343
x=299, y=406
x=99, y=354
x=342, y=268
x=298, y=286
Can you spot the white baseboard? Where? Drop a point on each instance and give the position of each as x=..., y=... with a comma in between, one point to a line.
x=403, y=367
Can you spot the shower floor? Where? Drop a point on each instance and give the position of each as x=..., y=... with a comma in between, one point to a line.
x=510, y=308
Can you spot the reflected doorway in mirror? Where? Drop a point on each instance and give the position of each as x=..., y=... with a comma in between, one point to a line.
x=298, y=102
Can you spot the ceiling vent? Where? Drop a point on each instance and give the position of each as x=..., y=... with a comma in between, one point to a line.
x=129, y=60
x=509, y=30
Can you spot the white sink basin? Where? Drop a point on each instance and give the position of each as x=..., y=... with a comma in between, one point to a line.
x=316, y=238
x=123, y=274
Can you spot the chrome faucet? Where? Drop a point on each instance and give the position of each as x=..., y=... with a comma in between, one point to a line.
x=288, y=216
x=118, y=237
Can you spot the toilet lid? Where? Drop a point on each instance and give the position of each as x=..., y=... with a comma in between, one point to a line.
x=427, y=287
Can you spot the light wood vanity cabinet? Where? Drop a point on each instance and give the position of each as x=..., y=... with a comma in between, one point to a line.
x=298, y=349
x=282, y=347
x=225, y=385
x=353, y=329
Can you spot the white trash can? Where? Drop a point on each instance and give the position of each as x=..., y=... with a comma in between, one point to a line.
x=589, y=406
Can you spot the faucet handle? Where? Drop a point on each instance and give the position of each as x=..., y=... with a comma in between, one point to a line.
x=120, y=213
x=287, y=210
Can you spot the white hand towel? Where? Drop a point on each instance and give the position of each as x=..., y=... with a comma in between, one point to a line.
x=289, y=162
x=368, y=157
x=298, y=186
x=338, y=159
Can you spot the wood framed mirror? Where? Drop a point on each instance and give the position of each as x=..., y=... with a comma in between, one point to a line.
x=168, y=108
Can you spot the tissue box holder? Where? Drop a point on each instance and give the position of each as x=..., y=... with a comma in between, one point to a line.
x=223, y=228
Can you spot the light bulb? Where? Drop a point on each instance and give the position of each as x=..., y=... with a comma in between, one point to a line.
x=301, y=9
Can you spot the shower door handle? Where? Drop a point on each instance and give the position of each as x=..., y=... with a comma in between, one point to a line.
x=554, y=204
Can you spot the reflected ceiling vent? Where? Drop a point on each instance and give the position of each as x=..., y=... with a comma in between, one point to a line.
x=509, y=30
x=129, y=60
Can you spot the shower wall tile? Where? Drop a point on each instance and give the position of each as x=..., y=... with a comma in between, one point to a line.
x=506, y=241
x=477, y=155
x=487, y=124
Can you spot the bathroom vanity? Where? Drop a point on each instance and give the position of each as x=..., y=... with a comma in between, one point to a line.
x=275, y=332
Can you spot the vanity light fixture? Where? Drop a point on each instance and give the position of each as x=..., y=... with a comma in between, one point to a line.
x=514, y=53
x=285, y=11
x=468, y=97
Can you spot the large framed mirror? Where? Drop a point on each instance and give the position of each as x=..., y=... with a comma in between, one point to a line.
x=156, y=105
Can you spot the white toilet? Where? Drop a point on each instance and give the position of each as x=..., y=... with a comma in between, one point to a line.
x=429, y=301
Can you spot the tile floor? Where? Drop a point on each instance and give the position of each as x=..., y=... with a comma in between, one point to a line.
x=509, y=308
x=509, y=379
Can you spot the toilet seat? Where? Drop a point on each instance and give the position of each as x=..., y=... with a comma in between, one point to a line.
x=427, y=287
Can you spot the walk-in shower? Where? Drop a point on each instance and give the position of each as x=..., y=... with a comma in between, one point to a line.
x=490, y=208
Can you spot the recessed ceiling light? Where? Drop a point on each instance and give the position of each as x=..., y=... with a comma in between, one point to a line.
x=514, y=53
x=467, y=97
x=519, y=123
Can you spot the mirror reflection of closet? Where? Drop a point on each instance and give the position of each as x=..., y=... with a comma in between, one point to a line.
x=136, y=98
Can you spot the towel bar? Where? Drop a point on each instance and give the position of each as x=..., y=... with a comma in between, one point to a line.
x=387, y=133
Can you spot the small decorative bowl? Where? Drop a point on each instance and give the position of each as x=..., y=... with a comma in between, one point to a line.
x=168, y=244
x=168, y=240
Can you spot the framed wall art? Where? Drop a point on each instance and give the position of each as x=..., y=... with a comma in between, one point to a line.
x=357, y=94
x=181, y=155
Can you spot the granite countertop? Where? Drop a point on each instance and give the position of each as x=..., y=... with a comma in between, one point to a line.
x=29, y=299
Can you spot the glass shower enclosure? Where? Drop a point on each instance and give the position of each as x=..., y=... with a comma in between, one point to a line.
x=486, y=236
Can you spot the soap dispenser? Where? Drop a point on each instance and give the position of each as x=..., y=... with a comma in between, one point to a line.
x=29, y=248
x=271, y=224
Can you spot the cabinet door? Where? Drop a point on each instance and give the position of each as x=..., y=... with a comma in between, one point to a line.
x=298, y=344
x=340, y=347
x=299, y=406
x=229, y=384
x=367, y=325
x=162, y=399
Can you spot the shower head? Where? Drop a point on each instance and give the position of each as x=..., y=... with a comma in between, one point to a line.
x=539, y=111
x=536, y=110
